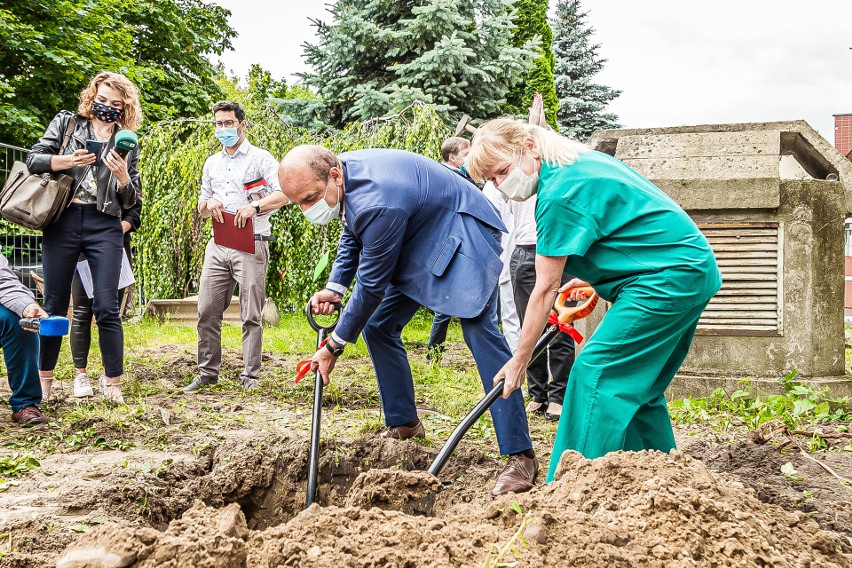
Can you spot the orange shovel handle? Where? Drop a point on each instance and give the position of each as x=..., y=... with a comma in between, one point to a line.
x=568, y=314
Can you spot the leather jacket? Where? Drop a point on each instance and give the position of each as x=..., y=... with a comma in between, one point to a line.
x=112, y=199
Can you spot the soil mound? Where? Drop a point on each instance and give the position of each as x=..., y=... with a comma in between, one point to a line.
x=626, y=509
x=393, y=489
x=202, y=537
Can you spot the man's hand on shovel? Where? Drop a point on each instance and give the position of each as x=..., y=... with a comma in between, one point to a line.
x=514, y=372
x=324, y=361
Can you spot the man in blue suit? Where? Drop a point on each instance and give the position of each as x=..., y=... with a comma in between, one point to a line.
x=414, y=233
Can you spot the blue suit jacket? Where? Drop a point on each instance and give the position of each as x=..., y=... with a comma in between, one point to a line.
x=414, y=224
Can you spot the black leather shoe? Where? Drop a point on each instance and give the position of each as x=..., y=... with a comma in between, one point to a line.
x=404, y=432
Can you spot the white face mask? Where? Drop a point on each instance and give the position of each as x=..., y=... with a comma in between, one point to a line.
x=519, y=186
x=321, y=212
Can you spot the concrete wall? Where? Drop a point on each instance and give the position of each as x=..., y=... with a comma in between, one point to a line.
x=812, y=341
x=732, y=174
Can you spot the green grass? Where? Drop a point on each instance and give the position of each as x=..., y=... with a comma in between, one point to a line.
x=160, y=358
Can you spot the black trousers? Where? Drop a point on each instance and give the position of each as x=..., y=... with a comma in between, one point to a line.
x=82, y=229
x=80, y=337
x=557, y=360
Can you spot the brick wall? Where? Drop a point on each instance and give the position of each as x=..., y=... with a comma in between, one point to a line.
x=843, y=133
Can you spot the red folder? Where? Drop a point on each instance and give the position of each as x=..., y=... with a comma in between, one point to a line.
x=229, y=235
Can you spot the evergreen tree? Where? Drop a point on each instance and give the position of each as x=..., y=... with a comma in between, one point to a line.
x=531, y=21
x=581, y=102
x=380, y=55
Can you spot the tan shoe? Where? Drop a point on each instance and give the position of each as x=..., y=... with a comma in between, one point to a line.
x=46, y=386
x=404, y=432
x=518, y=476
x=553, y=412
x=536, y=407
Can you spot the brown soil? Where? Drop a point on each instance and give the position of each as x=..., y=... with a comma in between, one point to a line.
x=626, y=509
x=233, y=495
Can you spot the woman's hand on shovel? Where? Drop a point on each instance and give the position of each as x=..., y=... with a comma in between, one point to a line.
x=513, y=372
x=323, y=361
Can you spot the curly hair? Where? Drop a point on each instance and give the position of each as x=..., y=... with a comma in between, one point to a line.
x=132, y=116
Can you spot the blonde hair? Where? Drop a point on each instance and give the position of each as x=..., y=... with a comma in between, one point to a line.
x=504, y=138
x=132, y=117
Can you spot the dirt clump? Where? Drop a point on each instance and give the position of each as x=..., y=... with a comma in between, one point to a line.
x=202, y=537
x=623, y=510
x=393, y=489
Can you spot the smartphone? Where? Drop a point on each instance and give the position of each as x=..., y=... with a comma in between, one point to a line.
x=95, y=147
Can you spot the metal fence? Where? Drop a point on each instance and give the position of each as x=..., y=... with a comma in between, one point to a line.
x=24, y=251
x=8, y=155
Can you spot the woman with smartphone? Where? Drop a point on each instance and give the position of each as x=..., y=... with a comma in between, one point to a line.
x=105, y=183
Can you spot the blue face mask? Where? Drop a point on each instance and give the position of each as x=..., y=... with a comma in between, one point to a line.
x=227, y=136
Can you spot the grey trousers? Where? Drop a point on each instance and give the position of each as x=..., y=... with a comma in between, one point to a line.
x=223, y=267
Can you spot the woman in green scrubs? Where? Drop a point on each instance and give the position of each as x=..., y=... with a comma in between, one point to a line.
x=603, y=222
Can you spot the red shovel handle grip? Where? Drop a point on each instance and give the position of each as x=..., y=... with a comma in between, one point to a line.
x=568, y=314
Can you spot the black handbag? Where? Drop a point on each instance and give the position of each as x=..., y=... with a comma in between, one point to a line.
x=34, y=201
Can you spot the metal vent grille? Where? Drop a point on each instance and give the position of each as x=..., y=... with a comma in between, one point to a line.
x=749, y=257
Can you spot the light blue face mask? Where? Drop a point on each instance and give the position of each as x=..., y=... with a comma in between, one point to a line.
x=228, y=136
x=321, y=212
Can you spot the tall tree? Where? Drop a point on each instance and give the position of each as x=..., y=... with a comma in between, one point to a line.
x=582, y=102
x=379, y=55
x=531, y=21
x=49, y=49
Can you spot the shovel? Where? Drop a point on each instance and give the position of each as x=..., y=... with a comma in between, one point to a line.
x=313, y=459
x=560, y=321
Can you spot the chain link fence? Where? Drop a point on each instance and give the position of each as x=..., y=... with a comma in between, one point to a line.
x=24, y=251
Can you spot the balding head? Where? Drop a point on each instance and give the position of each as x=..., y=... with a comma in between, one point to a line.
x=305, y=173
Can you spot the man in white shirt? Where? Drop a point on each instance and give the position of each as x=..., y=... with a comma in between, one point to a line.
x=241, y=179
x=547, y=376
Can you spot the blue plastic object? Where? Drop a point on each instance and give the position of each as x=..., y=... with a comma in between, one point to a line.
x=51, y=326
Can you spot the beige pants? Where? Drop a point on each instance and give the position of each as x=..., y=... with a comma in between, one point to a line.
x=223, y=267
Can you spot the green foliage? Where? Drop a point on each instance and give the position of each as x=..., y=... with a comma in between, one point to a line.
x=15, y=465
x=172, y=237
x=799, y=407
x=378, y=56
x=531, y=21
x=581, y=101
x=49, y=49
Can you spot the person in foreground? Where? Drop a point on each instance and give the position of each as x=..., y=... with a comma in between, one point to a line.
x=604, y=223
x=20, y=347
x=414, y=233
x=103, y=187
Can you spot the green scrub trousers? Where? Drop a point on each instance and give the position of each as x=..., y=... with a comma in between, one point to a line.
x=616, y=392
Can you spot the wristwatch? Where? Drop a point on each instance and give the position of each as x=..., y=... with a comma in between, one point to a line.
x=336, y=351
x=256, y=205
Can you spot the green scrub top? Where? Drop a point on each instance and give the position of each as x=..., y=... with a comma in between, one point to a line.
x=623, y=234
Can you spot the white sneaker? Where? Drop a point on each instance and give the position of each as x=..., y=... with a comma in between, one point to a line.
x=82, y=386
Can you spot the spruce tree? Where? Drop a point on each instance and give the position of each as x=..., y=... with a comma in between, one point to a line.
x=531, y=21
x=380, y=55
x=581, y=101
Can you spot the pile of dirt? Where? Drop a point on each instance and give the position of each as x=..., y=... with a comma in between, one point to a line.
x=626, y=509
x=202, y=537
x=811, y=490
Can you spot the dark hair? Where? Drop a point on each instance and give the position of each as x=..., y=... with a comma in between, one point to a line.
x=230, y=106
x=452, y=146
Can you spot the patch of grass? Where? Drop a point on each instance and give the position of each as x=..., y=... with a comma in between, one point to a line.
x=798, y=408
x=15, y=466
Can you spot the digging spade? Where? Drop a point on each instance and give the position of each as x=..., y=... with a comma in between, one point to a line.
x=313, y=459
x=560, y=321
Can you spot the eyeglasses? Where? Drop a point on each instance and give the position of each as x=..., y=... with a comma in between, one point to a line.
x=226, y=124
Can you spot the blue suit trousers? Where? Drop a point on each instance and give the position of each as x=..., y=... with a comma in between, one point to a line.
x=20, y=353
x=383, y=336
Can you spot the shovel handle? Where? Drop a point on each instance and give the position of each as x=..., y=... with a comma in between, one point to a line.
x=569, y=314
x=338, y=307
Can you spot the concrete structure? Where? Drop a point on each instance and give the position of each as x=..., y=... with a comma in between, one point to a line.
x=760, y=194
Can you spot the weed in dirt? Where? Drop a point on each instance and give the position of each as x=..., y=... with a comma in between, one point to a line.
x=799, y=408
x=15, y=466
